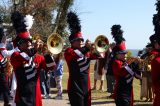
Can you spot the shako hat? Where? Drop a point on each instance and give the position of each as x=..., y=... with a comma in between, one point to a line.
x=120, y=49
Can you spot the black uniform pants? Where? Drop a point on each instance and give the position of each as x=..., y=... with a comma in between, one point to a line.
x=77, y=99
x=4, y=89
x=122, y=102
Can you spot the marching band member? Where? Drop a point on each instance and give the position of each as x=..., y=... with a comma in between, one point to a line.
x=123, y=91
x=116, y=33
x=26, y=65
x=145, y=69
x=124, y=77
x=155, y=73
x=6, y=55
x=78, y=60
x=155, y=63
x=4, y=89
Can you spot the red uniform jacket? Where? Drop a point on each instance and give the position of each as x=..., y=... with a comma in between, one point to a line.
x=123, y=81
x=27, y=71
x=3, y=78
x=155, y=72
x=79, y=77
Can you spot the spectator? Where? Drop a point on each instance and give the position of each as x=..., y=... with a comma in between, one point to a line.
x=58, y=73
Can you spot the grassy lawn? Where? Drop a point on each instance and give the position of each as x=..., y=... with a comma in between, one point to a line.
x=102, y=96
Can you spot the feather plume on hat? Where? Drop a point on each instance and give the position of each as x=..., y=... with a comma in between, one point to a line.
x=28, y=21
x=156, y=22
x=74, y=26
x=22, y=25
x=18, y=22
x=117, y=34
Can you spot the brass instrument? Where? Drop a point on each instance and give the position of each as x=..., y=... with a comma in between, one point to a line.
x=36, y=36
x=135, y=63
x=130, y=60
x=101, y=44
x=55, y=43
x=144, y=64
x=147, y=62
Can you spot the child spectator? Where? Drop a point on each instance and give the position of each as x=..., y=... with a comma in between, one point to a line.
x=58, y=73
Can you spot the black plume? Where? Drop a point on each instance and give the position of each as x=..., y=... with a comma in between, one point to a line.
x=158, y=6
x=18, y=22
x=156, y=19
x=117, y=34
x=74, y=23
x=148, y=45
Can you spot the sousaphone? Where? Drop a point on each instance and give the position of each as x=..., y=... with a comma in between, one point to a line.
x=101, y=44
x=55, y=43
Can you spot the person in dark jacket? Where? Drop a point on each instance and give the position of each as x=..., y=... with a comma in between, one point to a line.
x=78, y=59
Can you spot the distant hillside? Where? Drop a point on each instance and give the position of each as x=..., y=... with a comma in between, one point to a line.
x=134, y=52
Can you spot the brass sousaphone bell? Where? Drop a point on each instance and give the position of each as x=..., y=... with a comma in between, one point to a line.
x=101, y=44
x=55, y=43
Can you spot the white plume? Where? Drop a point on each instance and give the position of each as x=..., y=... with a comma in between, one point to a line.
x=28, y=21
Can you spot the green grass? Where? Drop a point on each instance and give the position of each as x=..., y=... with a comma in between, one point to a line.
x=102, y=96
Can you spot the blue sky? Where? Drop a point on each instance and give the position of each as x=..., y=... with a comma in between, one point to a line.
x=135, y=17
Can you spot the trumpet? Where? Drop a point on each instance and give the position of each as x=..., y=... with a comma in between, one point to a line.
x=55, y=43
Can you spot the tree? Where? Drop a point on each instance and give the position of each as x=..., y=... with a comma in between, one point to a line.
x=46, y=19
x=4, y=11
x=5, y=8
x=60, y=21
x=49, y=15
